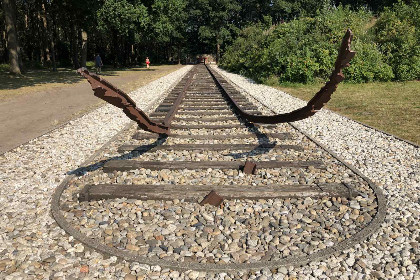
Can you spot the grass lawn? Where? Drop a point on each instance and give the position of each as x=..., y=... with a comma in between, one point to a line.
x=392, y=107
x=43, y=79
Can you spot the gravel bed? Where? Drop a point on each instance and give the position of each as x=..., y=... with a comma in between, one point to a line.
x=34, y=247
x=31, y=244
x=393, y=252
x=184, y=232
x=243, y=231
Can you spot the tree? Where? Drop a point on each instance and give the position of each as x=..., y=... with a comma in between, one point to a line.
x=397, y=33
x=123, y=22
x=9, y=8
x=285, y=10
x=169, y=21
x=215, y=21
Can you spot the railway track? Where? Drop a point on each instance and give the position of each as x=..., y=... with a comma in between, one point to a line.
x=139, y=197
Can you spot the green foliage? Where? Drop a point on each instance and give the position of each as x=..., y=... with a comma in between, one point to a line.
x=305, y=49
x=247, y=53
x=213, y=21
x=290, y=9
x=368, y=65
x=169, y=19
x=4, y=68
x=398, y=35
x=219, y=15
x=286, y=40
x=122, y=17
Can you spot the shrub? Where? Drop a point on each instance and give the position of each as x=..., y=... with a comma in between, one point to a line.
x=305, y=49
x=246, y=54
x=398, y=36
x=367, y=65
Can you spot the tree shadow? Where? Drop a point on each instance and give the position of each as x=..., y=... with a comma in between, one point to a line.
x=264, y=146
x=142, y=70
x=35, y=77
x=138, y=151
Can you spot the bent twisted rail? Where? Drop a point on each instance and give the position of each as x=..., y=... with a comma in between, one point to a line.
x=108, y=92
x=316, y=103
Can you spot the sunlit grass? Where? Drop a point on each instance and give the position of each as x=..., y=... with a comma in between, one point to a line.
x=393, y=107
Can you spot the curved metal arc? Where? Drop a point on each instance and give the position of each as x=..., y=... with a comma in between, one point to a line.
x=111, y=94
x=319, y=99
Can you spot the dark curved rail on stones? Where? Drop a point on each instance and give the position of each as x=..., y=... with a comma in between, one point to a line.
x=108, y=92
x=298, y=260
x=316, y=103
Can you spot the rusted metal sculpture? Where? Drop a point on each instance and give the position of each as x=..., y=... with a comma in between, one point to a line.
x=108, y=92
x=316, y=103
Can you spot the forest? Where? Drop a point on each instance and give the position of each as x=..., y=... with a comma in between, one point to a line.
x=289, y=40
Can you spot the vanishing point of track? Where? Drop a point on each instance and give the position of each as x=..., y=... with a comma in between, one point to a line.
x=208, y=139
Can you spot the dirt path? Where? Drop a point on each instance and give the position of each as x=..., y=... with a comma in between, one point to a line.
x=30, y=115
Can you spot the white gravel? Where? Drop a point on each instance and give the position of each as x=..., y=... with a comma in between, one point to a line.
x=30, y=173
x=389, y=162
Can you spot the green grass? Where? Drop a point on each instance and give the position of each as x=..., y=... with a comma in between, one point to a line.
x=393, y=107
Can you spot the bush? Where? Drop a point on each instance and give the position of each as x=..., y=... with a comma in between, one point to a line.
x=367, y=65
x=398, y=35
x=305, y=49
x=246, y=54
x=4, y=68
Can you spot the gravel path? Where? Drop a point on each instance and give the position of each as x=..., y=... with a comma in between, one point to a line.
x=32, y=246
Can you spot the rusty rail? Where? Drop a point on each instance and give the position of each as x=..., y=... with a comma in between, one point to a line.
x=171, y=114
x=111, y=94
x=316, y=103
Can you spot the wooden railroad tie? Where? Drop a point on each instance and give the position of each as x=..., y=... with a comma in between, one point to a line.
x=208, y=147
x=208, y=120
x=124, y=165
x=201, y=113
x=281, y=136
x=194, y=193
x=218, y=126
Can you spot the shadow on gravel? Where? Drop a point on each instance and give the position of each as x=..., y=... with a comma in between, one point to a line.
x=130, y=155
x=263, y=140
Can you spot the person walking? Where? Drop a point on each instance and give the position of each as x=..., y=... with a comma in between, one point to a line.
x=147, y=63
x=98, y=64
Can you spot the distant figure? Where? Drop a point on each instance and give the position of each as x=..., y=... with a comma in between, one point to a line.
x=98, y=64
x=147, y=63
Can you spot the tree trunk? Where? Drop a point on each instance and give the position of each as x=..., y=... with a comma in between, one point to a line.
x=54, y=63
x=74, y=47
x=53, y=37
x=12, y=39
x=115, y=48
x=20, y=61
x=218, y=53
x=5, y=56
x=132, y=56
x=84, y=48
x=46, y=36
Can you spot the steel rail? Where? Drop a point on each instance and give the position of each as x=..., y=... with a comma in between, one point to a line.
x=111, y=94
x=315, y=104
x=172, y=112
